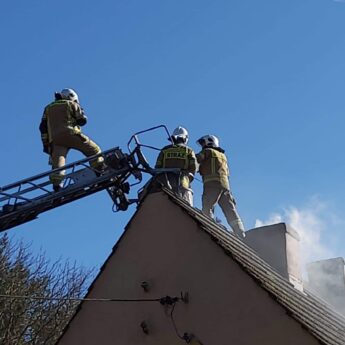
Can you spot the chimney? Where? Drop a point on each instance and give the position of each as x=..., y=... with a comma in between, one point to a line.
x=327, y=281
x=278, y=245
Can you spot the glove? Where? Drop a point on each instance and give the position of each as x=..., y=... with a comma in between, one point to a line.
x=82, y=121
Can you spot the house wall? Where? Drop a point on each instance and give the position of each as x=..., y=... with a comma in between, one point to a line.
x=165, y=247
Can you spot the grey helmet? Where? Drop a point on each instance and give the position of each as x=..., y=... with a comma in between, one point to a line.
x=180, y=134
x=69, y=94
x=208, y=141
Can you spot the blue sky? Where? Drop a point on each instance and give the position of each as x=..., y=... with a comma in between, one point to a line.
x=266, y=77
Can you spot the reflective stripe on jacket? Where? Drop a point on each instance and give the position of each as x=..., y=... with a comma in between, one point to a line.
x=60, y=117
x=213, y=166
x=178, y=156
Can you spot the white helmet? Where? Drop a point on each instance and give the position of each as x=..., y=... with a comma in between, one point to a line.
x=208, y=141
x=70, y=94
x=180, y=134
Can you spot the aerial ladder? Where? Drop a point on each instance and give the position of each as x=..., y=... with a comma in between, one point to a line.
x=23, y=201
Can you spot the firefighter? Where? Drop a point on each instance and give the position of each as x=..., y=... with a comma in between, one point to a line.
x=181, y=157
x=60, y=132
x=213, y=168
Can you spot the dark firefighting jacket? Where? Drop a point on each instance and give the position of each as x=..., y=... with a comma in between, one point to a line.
x=213, y=166
x=61, y=117
x=181, y=157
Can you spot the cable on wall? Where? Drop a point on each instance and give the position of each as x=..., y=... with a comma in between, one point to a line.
x=161, y=300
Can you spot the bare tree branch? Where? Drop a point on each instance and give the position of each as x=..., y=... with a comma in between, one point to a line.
x=36, y=321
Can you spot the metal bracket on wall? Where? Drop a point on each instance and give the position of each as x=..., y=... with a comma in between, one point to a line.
x=144, y=327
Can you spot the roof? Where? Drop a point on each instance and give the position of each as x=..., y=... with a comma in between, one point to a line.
x=315, y=316
x=318, y=318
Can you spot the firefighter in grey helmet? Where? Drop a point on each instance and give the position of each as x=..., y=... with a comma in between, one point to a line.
x=213, y=167
x=60, y=132
x=178, y=156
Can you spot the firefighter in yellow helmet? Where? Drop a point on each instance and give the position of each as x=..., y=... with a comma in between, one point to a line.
x=179, y=156
x=213, y=168
x=60, y=132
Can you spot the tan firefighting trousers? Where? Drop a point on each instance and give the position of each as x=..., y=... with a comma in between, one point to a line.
x=63, y=143
x=215, y=193
x=174, y=182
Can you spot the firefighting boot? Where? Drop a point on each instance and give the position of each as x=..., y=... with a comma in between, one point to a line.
x=238, y=228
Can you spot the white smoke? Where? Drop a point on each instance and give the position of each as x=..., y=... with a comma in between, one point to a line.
x=312, y=222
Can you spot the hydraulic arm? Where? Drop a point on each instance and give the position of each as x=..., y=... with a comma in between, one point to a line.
x=23, y=201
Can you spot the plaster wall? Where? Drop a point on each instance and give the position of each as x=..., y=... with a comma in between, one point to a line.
x=326, y=279
x=278, y=245
x=165, y=247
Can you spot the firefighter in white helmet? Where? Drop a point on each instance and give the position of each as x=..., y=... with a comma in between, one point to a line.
x=213, y=168
x=60, y=132
x=181, y=157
